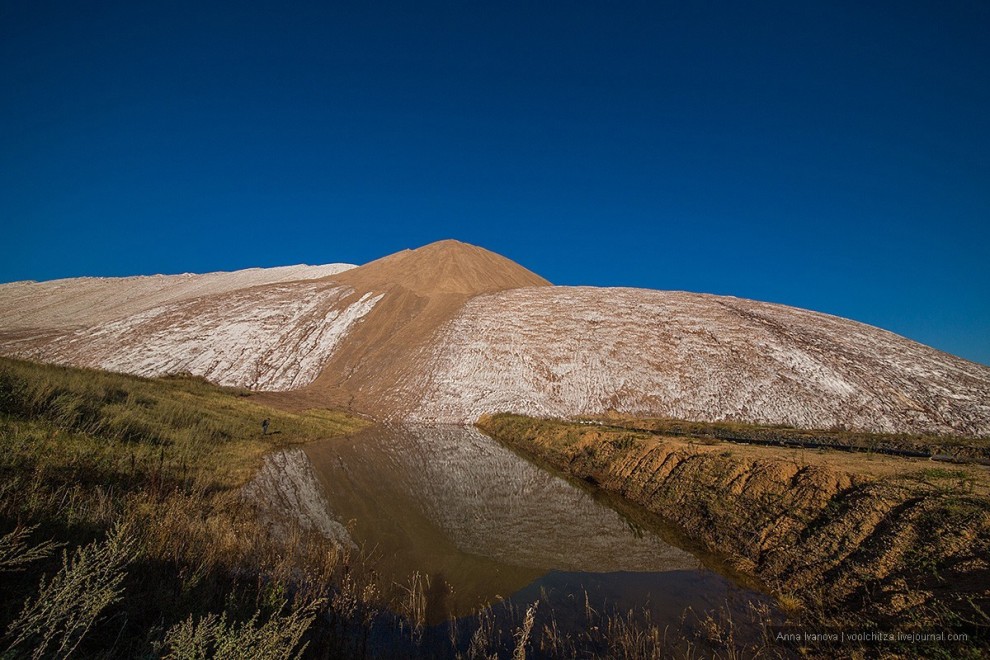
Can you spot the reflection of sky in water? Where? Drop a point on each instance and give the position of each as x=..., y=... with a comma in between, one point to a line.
x=486, y=501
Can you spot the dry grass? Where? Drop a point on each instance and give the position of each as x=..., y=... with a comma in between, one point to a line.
x=954, y=447
x=147, y=471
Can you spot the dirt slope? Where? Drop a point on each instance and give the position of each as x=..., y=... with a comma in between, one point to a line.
x=450, y=331
x=422, y=291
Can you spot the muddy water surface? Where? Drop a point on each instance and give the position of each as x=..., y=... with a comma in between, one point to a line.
x=486, y=524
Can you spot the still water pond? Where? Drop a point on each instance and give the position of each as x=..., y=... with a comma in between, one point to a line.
x=486, y=525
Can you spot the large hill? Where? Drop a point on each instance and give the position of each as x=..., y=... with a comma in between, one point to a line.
x=450, y=331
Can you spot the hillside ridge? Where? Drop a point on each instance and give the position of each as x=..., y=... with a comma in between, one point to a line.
x=450, y=331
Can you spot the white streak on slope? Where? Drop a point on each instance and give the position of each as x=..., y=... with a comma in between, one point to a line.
x=271, y=338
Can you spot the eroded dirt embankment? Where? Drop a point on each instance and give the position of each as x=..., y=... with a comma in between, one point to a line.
x=877, y=538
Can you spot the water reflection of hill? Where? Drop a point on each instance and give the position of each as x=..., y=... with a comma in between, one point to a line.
x=452, y=503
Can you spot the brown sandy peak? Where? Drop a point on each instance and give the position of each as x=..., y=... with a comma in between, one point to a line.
x=446, y=266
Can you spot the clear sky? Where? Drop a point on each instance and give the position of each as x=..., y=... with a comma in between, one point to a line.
x=833, y=156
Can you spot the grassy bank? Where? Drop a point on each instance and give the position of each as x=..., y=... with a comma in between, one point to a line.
x=881, y=542
x=123, y=532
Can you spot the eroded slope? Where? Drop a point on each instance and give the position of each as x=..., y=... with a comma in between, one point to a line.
x=566, y=351
x=881, y=539
x=269, y=329
x=450, y=331
x=276, y=337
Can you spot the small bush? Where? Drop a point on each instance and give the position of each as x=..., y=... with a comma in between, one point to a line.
x=222, y=639
x=68, y=605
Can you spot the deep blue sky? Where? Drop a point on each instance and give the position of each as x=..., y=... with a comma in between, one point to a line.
x=834, y=157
